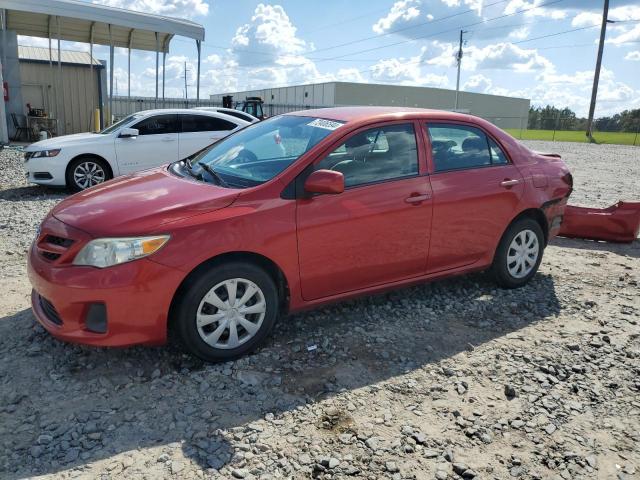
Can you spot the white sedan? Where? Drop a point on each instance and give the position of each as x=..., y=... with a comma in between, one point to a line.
x=141, y=140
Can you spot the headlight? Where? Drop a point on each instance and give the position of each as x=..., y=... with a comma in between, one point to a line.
x=105, y=252
x=43, y=153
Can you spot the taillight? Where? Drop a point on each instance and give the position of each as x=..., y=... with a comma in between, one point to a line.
x=568, y=179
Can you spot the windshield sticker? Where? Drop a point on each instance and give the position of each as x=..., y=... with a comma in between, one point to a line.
x=326, y=124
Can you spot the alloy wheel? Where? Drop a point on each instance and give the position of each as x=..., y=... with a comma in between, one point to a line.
x=87, y=174
x=231, y=313
x=523, y=254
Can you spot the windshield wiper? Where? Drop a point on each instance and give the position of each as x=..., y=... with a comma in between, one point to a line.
x=214, y=174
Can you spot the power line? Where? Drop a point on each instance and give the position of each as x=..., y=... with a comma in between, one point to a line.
x=339, y=57
x=553, y=34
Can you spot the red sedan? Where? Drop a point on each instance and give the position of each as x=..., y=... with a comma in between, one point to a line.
x=291, y=213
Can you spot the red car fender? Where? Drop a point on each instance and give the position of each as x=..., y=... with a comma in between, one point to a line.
x=618, y=223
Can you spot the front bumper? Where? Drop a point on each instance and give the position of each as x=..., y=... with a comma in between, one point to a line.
x=136, y=297
x=55, y=167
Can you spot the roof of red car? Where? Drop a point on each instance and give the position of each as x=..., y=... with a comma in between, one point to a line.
x=349, y=114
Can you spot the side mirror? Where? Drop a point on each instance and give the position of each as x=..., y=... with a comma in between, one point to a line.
x=324, y=181
x=128, y=133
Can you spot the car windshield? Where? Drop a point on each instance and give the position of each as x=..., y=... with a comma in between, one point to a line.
x=121, y=123
x=261, y=151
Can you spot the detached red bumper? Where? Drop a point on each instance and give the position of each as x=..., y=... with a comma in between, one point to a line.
x=617, y=223
x=118, y=306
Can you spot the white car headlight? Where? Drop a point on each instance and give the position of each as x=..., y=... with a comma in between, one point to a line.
x=43, y=153
x=105, y=252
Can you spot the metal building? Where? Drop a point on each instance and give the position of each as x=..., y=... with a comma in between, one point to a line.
x=78, y=21
x=84, y=87
x=505, y=112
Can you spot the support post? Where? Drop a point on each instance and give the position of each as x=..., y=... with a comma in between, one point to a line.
x=55, y=87
x=164, y=63
x=165, y=49
x=61, y=115
x=129, y=72
x=596, y=76
x=199, y=46
x=93, y=92
x=110, y=114
x=4, y=129
x=157, y=59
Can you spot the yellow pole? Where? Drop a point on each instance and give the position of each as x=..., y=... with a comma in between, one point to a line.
x=96, y=119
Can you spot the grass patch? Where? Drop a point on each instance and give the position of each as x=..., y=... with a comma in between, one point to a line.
x=619, y=138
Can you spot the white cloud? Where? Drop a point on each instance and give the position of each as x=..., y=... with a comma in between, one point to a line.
x=407, y=71
x=169, y=8
x=633, y=56
x=478, y=83
x=350, y=75
x=403, y=11
x=498, y=56
x=574, y=91
x=436, y=18
x=270, y=33
x=628, y=35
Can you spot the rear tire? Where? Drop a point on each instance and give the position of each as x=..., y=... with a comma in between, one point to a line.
x=86, y=172
x=519, y=254
x=227, y=311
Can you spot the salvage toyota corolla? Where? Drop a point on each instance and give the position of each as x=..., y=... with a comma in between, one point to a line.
x=359, y=200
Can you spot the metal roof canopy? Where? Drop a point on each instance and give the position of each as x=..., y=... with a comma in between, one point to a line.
x=77, y=21
x=69, y=57
x=34, y=18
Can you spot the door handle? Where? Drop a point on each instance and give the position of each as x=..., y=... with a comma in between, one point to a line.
x=508, y=183
x=415, y=199
x=167, y=139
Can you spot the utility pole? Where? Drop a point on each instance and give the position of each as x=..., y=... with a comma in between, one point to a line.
x=596, y=76
x=459, y=61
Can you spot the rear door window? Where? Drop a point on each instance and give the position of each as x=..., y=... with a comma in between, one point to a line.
x=455, y=147
x=205, y=123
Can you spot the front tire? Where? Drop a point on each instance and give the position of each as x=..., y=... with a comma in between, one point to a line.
x=519, y=254
x=86, y=172
x=227, y=311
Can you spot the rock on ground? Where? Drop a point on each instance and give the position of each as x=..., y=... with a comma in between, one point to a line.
x=455, y=379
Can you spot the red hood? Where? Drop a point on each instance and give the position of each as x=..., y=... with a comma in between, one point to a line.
x=140, y=203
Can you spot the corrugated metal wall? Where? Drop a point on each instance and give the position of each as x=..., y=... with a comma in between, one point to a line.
x=289, y=99
x=505, y=112
x=123, y=106
x=73, y=104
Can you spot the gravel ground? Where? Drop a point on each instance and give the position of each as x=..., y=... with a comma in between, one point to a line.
x=455, y=379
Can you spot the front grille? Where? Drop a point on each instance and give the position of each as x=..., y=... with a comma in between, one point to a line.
x=62, y=242
x=52, y=247
x=50, y=255
x=50, y=311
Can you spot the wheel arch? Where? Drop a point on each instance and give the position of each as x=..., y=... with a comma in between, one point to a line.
x=533, y=213
x=95, y=156
x=276, y=273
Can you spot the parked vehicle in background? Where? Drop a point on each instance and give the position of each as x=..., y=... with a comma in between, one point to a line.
x=251, y=105
x=359, y=200
x=230, y=111
x=142, y=140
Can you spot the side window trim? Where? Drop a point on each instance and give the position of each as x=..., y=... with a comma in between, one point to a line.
x=379, y=127
x=177, y=124
x=431, y=167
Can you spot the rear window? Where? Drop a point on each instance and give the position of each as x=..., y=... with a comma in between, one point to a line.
x=205, y=123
